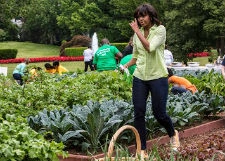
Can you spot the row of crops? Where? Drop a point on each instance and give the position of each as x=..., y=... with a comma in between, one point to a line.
x=52, y=114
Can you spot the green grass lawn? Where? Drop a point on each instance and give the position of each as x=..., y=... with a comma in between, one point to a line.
x=202, y=60
x=29, y=50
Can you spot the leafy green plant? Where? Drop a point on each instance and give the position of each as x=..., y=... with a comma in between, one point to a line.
x=209, y=81
x=20, y=143
x=62, y=107
x=55, y=92
x=88, y=126
x=84, y=126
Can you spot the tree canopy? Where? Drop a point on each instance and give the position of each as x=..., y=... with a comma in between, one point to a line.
x=191, y=25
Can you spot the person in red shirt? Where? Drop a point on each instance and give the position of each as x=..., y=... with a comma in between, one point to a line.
x=180, y=84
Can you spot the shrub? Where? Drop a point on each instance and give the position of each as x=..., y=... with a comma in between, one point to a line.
x=2, y=35
x=8, y=53
x=120, y=46
x=74, y=51
x=20, y=142
x=76, y=41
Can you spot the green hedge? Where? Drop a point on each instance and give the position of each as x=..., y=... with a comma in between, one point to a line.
x=120, y=46
x=78, y=51
x=8, y=53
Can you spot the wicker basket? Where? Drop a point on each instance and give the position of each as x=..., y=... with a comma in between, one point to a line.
x=113, y=140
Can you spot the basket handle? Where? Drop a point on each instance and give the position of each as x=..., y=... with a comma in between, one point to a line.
x=118, y=132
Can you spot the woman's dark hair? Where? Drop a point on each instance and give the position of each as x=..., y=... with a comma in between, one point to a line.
x=105, y=41
x=170, y=72
x=147, y=9
x=27, y=61
x=39, y=68
x=56, y=63
x=48, y=66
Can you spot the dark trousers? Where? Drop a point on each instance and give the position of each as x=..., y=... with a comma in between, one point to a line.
x=178, y=90
x=88, y=63
x=159, y=92
x=18, y=78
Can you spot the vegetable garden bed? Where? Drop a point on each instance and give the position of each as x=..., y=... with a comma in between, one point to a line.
x=184, y=134
x=81, y=111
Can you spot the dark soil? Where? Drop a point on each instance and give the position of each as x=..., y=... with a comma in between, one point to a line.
x=204, y=120
x=197, y=148
x=206, y=147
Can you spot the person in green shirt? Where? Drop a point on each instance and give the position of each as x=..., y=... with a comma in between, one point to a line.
x=150, y=75
x=125, y=60
x=105, y=57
